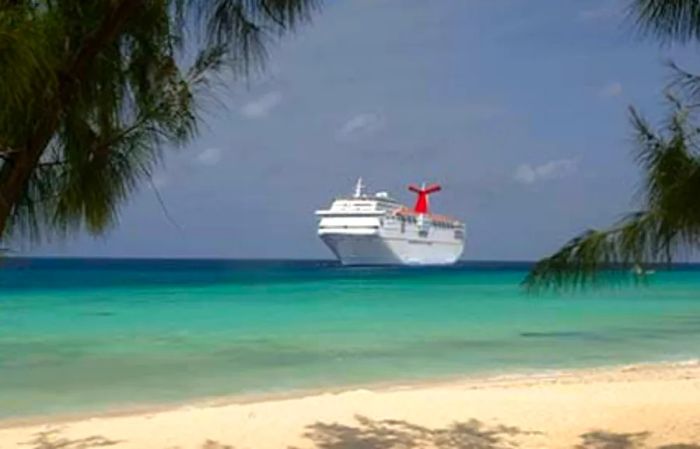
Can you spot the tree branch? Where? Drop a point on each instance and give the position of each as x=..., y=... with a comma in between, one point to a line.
x=14, y=176
x=637, y=241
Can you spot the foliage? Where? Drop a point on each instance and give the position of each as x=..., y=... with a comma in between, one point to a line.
x=668, y=224
x=93, y=92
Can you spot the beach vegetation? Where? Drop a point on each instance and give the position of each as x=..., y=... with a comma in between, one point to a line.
x=666, y=225
x=93, y=92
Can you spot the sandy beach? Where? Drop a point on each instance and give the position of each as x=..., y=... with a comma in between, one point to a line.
x=638, y=406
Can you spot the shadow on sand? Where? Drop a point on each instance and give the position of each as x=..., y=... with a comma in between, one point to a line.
x=473, y=434
x=395, y=434
x=52, y=439
x=610, y=440
x=368, y=433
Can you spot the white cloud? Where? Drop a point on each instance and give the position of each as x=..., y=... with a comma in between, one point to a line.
x=159, y=180
x=529, y=174
x=209, y=157
x=361, y=125
x=611, y=90
x=262, y=106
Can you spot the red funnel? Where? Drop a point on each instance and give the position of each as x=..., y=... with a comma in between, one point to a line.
x=422, y=206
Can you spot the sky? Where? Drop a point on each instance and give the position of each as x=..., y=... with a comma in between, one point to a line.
x=518, y=108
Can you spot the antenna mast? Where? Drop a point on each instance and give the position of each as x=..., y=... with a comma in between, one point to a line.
x=359, y=187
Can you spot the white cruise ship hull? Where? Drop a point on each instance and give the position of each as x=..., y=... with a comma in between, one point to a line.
x=368, y=249
x=378, y=230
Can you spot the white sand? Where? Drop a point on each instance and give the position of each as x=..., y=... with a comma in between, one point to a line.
x=623, y=408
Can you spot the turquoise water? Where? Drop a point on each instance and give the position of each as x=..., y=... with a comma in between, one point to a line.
x=84, y=335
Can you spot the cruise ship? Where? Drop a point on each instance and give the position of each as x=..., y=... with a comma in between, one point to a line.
x=375, y=229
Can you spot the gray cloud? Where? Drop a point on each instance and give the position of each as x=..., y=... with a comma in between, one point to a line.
x=560, y=168
x=209, y=157
x=610, y=90
x=262, y=106
x=160, y=180
x=360, y=125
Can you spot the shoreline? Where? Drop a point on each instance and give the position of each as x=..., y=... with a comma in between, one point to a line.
x=666, y=396
x=466, y=381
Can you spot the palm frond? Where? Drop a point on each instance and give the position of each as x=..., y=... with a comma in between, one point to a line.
x=27, y=70
x=668, y=225
x=115, y=84
x=245, y=27
x=668, y=20
x=604, y=256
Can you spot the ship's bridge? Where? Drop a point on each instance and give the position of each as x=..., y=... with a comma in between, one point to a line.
x=373, y=205
x=359, y=214
x=362, y=204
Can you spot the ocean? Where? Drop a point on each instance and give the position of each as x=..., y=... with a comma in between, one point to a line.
x=85, y=335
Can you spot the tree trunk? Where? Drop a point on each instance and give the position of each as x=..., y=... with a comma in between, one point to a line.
x=17, y=170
